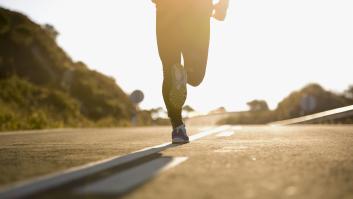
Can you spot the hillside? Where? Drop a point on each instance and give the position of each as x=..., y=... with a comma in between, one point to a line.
x=308, y=100
x=294, y=104
x=41, y=86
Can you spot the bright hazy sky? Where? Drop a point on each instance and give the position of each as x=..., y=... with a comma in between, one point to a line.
x=264, y=50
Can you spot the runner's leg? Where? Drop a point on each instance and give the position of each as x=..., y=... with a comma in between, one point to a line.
x=168, y=34
x=196, y=39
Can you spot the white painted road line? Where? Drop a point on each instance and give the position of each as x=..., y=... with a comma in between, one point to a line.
x=225, y=134
x=53, y=180
x=229, y=132
x=209, y=132
x=237, y=127
x=126, y=180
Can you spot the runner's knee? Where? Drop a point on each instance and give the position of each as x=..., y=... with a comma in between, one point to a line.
x=195, y=80
x=195, y=73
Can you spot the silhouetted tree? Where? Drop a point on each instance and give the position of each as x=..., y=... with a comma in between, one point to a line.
x=348, y=93
x=188, y=108
x=51, y=30
x=218, y=110
x=258, y=105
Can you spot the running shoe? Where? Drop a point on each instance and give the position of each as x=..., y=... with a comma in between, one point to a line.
x=179, y=135
x=178, y=91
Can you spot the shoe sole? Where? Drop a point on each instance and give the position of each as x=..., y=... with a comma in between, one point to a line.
x=179, y=141
x=178, y=92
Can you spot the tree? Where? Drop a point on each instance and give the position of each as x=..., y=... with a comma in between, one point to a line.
x=187, y=111
x=258, y=105
x=188, y=108
x=158, y=113
x=348, y=93
x=218, y=110
x=53, y=33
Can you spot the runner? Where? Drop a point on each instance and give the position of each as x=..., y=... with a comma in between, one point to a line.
x=183, y=30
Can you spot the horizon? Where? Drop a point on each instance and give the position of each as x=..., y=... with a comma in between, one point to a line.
x=272, y=50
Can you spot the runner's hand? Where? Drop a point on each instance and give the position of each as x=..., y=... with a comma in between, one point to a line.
x=220, y=10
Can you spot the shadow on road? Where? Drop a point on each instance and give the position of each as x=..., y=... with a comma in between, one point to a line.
x=128, y=173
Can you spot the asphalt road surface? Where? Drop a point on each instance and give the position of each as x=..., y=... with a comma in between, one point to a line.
x=229, y=162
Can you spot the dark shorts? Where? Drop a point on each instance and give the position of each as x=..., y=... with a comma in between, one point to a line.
x=183, y=28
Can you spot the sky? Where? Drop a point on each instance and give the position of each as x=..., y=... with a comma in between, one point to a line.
x=264, y=50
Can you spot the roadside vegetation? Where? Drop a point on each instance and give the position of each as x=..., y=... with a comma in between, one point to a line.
x=42, y=87
x=308, y=100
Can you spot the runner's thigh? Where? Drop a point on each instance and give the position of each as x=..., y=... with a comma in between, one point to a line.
x=168, y=29
x=195, y=39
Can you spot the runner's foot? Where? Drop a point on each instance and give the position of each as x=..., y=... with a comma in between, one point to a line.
x=178, y=91
x=179, y=135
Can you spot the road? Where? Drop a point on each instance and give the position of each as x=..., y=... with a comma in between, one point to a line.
x=307, y=161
